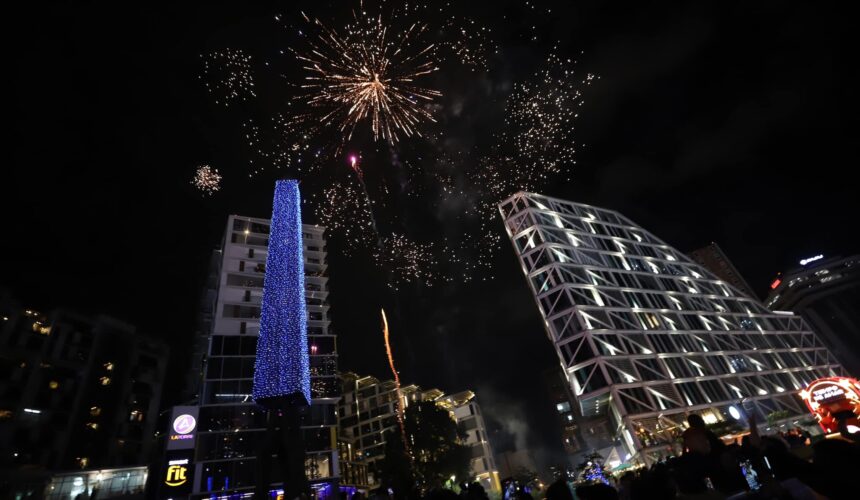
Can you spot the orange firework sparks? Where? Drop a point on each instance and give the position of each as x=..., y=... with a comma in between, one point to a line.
x=400, y=409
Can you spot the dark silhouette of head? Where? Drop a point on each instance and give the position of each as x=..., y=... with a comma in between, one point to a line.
x=695, y=421
x=559, y=491
x=598, y=491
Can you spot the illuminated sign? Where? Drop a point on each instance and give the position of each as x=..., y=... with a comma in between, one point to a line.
x=183, y=427
x=177, y=473
x=811, y=259
x=775, y=284
x=834, y=401
x=826, y=393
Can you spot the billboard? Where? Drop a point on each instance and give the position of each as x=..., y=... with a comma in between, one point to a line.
x=183, y=428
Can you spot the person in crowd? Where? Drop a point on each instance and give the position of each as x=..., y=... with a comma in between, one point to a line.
x=559, y=491
x=597, y=491
x=625, y=485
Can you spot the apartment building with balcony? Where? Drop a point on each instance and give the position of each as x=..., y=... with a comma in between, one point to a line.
x=77, y=393
x=368, y=414
x=230, y=424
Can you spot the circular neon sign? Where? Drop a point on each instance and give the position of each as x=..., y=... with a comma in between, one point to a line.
x=184, y=424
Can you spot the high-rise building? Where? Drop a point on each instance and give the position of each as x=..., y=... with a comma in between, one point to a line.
x=646, y=335
x=713, y=259
x=826, y=292
x=76, y=393
x=465, y=410
x=368, y=413
x=230, y=425
x=565, y=410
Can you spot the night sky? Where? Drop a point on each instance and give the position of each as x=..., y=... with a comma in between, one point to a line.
x=726, y=122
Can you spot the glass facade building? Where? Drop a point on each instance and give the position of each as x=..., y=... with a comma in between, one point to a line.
x=646, y=335
x=230, y=423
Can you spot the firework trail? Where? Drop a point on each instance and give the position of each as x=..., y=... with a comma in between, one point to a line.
x=400, y=409
x=356, y=167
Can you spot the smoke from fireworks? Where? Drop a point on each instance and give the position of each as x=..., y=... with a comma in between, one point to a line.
x=207, y=180
x=369, y=71
x=227, y=76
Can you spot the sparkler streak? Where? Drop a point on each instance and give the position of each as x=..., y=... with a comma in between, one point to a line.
x=400, y=409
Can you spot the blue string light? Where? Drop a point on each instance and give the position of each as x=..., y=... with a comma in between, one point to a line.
x=281, y=370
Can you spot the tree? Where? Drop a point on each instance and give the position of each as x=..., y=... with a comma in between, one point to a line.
x=435, y=443
x=591, y=470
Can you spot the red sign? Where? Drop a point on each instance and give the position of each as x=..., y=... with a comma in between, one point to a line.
x=775, y=284
x=835, y=402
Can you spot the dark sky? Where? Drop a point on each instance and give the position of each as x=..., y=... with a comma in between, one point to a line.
x=732, y=122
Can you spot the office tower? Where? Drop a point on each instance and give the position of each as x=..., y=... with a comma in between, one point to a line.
x=646, y=335
x=713, y=259
x=77, y=393
x=826, y=292
x=368, y=413
x=230, y=425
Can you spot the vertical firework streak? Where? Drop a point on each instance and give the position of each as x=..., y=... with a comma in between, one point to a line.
x=353, y=161
x=400, y=409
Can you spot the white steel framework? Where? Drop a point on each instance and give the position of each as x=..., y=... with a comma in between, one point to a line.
x=646, y=335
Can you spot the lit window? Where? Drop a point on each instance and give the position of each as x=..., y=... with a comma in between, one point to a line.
x=108, y=366
x=135, y=416
x=41, y=329
x=5, y=414
x=104, y=380
x=95, y=411
x=93, y=425
x=53, y=384
x=83, y=462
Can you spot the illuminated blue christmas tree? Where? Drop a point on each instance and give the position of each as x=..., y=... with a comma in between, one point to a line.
x=281, y=370
x=591, y=470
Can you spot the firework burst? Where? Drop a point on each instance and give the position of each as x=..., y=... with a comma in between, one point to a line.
x=407, y=261
x=368, y=71
x=227, y=76
x=343, y=209
x=536, y=145
x=207, y=180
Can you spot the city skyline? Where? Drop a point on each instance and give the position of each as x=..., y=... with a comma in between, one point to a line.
x=708, y=123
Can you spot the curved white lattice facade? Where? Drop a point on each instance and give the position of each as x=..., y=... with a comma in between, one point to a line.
x=645, y=334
